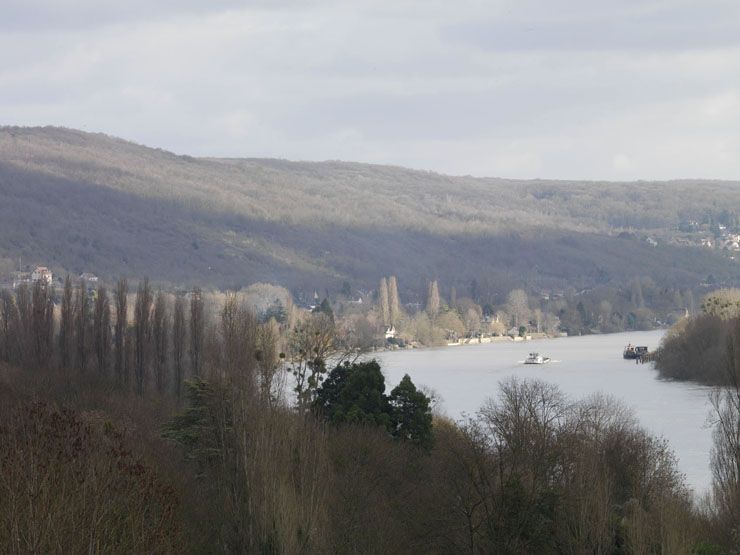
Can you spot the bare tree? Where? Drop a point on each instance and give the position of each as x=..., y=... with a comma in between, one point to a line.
x=160, y=339
x=8, y=327
x=269, y=362
x=142, y=333
x=101, y=330
x=197, y=330
x=517, y=304
x=433, y=300
x=42, y=324
x=239, y=337
x=23, y=329
x=179, y=332
x=394, y=302
x=121, y=327
x=81, y=318
x=312, y=345
x=383, y=302
x=66, y=326
x=725, y=457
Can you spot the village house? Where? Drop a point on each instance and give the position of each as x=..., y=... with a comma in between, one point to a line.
x=20, y=277
x=89, y=278
x=42, y=273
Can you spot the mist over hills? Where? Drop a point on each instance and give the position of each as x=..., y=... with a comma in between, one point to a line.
x=89, y=202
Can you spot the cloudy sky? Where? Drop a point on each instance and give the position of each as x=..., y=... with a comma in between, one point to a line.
x=643, y=89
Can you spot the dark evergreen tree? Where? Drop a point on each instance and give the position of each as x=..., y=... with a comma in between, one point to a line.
x=412, y=416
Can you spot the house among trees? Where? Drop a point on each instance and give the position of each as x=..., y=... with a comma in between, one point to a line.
x=390, y=332
x=90, y=279
x=20, y=277
x=42, y=273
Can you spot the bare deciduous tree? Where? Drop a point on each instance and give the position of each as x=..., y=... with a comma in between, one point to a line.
x=197, y=330
x=82, y=322
x=160, y=339
x=394, y=302
x=383, y=302
x=66, y=326
x=142, y=333
x=121, y=327
x=101, y=330
x=433, y=301
x=179, y=333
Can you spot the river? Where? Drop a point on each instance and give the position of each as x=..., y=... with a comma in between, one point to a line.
x=464, y=376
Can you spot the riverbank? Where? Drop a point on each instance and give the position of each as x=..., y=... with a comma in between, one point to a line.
x=506, y=339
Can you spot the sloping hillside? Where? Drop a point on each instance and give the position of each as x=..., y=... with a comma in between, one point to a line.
x=80, y=201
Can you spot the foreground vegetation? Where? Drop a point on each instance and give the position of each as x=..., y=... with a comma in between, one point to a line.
x=200, y=429
x=705, y=348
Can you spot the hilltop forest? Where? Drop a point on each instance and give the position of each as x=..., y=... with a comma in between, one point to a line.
x=77, y=201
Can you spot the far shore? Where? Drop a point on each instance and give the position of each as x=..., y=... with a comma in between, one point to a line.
x=502, y=339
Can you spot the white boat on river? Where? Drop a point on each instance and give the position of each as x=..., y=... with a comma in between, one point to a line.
x=536, y=358
x=466, y=376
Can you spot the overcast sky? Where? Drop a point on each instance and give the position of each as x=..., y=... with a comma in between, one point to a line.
x=523, y=88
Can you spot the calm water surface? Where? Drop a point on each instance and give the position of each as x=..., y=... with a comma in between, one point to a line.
x=465, y=376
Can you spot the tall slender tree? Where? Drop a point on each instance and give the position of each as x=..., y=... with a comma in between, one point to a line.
x=383, y=302
x=42, y=324
x=160, y=339
x=179, y=332
x=8, y=327
x=81, y=320
x=433, y=299
x=66, y=326
x=101, y=330
x=394, y=302
x=142, y=333
x=23, y=329
x=121, y=327
x=197, y=330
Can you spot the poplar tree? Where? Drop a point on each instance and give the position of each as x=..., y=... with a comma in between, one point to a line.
x=66, y=323
x=101, y=330
x=160, y=339
x=23, y=328
x=394, y=301
x=121, y=326
x=42, y=324
x=178, y=344
x=81, y=320
x=196, y=331
x=433, y=299
x=142, y=333
x=383, y=301
x=8, y=326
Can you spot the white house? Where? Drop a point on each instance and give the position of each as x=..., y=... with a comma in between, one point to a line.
x=42, y=273
x=89, y=277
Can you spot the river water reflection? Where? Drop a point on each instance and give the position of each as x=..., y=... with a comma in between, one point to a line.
x=465, y=376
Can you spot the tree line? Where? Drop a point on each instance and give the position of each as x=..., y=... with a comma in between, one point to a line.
x=93, y=457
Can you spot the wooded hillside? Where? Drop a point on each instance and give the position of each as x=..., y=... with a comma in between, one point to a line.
x=77, y=201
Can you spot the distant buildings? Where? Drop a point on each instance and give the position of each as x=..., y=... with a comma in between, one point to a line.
x=90, y=279
x=42, y=273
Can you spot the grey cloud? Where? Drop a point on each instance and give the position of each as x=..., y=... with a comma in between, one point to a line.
x=636, y=27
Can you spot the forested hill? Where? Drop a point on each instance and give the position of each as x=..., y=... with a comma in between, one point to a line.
x=88, y=202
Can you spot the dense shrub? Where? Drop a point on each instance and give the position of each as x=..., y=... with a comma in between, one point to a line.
x=72, y=485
